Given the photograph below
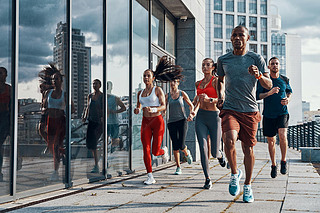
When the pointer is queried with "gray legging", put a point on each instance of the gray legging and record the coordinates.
(208, 122)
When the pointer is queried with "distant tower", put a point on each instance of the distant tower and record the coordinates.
(81, 64)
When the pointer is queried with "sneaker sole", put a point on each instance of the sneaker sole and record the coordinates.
(238, 191)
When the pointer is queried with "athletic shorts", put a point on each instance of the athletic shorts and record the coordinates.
(113, 130)
(245, 123)
(271, 125)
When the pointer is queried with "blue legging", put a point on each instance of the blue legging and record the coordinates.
(208, 122)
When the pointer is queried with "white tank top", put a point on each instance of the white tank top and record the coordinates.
(151, 100)
(56, 103)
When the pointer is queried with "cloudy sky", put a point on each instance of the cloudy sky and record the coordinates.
(38, 20)
(303, 18)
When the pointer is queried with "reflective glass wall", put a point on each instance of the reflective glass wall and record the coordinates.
(41, 124)
(5, 96)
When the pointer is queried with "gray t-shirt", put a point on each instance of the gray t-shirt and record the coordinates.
(240, 86)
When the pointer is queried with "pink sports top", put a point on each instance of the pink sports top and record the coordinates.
(151, 100)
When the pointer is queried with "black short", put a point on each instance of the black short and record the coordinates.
(271, 125)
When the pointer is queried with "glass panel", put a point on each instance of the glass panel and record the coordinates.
(229, 26)
(241, 6)
(87, 52)
(118, 87)
(264, 51)
(263, 7)
(229, 47)
(40, 151)
(218, 5)
(170, 36)
(242, 20)
(5, 99)
(140, 63)
(263, 29)
(253, 48)
(253, 6)
(157, 24)
(217, 25)
(230, 5)
(217, 50)
(253, 28)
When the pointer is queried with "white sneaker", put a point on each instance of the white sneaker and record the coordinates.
(54, 176)
(165, 156)
(150, 180)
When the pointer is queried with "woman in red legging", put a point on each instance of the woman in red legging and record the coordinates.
(152, 101)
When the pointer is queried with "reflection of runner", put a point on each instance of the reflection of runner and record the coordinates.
(152, 101)
(45, 76)
(5, 91)
(54, 105)
(94, 114)
(275, 114)
(177, 123)
(238, 73)
(207, 120)
(115, 106)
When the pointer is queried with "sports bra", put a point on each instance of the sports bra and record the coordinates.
(209, 89)
(54, 103)
(151, 100)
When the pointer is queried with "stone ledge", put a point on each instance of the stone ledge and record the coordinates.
(310, 154)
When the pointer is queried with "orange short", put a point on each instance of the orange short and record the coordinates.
(245, 123)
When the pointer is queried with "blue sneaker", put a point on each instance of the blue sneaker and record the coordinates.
(178, 171)
(247, 194)
(189, 157)
(234, 186)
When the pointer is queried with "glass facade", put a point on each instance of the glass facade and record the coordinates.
(77, 126)
(264, 52)
(218, 5)
(278, 49)
(242, 20)
(229, 25)
(229, 47)
(263, 7)
(230, 5)
(253, 28)
(253, 6)
(264, 31)
(253, 48)
(217, 25)
(241, 6)
(218, 50)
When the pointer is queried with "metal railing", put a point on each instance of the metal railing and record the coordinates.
(301, 135)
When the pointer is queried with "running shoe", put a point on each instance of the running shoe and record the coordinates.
(189, 157)
(273, 171)
(247, 194)
(54, 176)
(222, 161)
(207, 184)
(150, 180)
(178, 171)
(165, 156)
(95, 169)
(234, 186)
(283, 168)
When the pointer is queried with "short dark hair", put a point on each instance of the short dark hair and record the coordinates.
(4, 69)
(97, 80)
(273, 58)
(241, 26)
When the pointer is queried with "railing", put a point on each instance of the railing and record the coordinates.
(302, 135)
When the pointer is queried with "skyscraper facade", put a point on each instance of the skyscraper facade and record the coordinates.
(223, 15)
(81, 64)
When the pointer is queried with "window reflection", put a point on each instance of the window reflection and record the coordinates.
(253, 28)
(253, 6)
(218, 5)
(157, 24)
(229, 25)
(217, 25)
(241, 6)
(230, 5)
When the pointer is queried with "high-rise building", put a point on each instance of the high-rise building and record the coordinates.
(81, 64)
(223, 15)
(287, 47)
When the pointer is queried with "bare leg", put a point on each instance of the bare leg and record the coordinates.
(248, 162)
(177, 157)
(283, 143)
(42, 131)
(229, 139)
(95, 156)
(272, 149)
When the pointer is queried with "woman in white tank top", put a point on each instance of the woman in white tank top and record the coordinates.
(54, 105)
(152, 102)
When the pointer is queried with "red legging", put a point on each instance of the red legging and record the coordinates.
(151, 127)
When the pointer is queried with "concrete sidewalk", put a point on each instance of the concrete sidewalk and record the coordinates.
(298, 191)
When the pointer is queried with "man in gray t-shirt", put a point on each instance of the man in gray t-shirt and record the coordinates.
(238, 73)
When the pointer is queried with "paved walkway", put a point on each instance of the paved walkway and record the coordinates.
(298, 191)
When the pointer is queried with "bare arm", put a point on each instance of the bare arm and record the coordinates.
(264, 79)
(285, 101)
(121, 105)
(220, 91)
(162, 101)
(187, 100)
(137, 109)
(86, 111)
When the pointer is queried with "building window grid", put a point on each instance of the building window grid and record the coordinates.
(263, 7)
(229, 25)
(253, 28)
(264, 32)
(253, 6)
(218, 5)
(241, 6)
(230, 5)
(217, 25)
